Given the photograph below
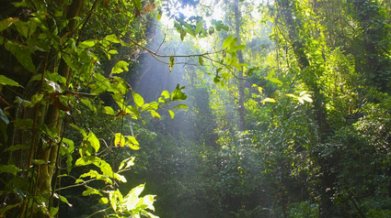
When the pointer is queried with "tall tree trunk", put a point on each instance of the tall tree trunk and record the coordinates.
(239, 55)
(287, 10)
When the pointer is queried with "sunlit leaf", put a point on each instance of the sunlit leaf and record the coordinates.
(119, 67)
(165, 94)
(132, 142)
(7, 22)
(108, 110)
(104, 200)
(132, 198)
(155, 114)
(93, 140)
(62, 199)
(119, 140)
(112, 38)
(268, 100)
(88, 43)
(171, 113)
(5, 81)
(138, 99)
(91, 191)
(128, 162)
(178, 94)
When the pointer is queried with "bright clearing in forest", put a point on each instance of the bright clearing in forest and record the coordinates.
(195, 108)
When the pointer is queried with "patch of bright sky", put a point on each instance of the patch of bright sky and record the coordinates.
(217, 12)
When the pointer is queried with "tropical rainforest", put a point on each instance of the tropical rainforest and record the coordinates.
(195, 108)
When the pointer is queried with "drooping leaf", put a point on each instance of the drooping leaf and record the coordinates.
(7, 22)
(119, 140)
(62, 199)
(119, 67)
(22, 54)
(18, 147)
(93, 140)
(132, 198)
(178, 94)
(128, 162)
(155, 114)
(5, 81)
(201, 60)
(171, 63)
(171, 113)
(138, 99)
(91, 191)
(9, 168)
(165, 94)
(132, 142)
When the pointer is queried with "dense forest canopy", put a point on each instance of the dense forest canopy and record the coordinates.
(195, 108)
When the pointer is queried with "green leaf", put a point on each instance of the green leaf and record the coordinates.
(171, 113)
(108, 110)
(147, 202)
(91, 191)
(165, 94)
(112, 38)
(201, 61)
(178, 94)
(155, 114)
(93, 140)
(229, 41)
(5, 81)
(17, 147)
(171, 63)
(87, 102)
(7, 22)
(128, 162)
(9, 168)
(104, 200)
(88, 43)
(119, 140)
(119, 177)
(120, 67)
(22, 54)
(53, 211)
(116, 199)
(101, 164)
(181, 106)
(132, 198)
(138, 99)
(132, 142)
(268, 100)
(62, 199)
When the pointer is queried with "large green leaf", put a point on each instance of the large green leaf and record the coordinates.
(93, 140)
(120, 67)
(9, 168)
(7, 22)
(22, 54)
(138, 99)
(6, 81)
